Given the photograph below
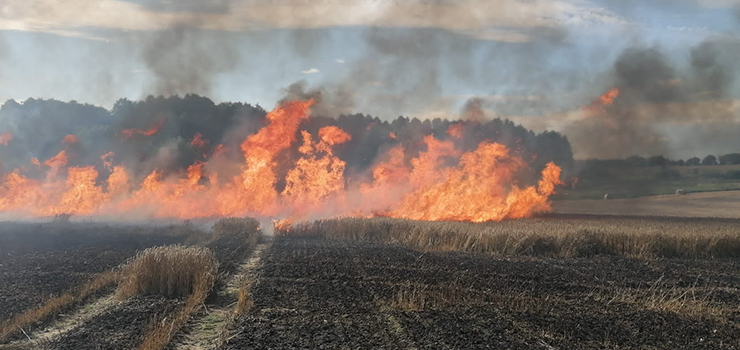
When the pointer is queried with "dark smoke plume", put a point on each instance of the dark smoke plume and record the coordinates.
(656, 98)
(185, 58)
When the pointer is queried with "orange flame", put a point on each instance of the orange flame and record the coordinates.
(482, 187)
(5, 138)
(604, 100)
(198, 141)
(107, 160)
(57, 161)
(316, 177)
(439, 183)
(128, 133)
(455, 130)
(70, 139)
(282, 225)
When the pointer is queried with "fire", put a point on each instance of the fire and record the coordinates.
(392, 135)
(441, 182)
(318, 174)
(128, 133)
(5, 138)
(604, 100)
(482, 187)
(70, 139)
(455, 130)
(282, 225)
(107, 160)
(220, 150)
(57, 161)
(256, 186)
(198, 141)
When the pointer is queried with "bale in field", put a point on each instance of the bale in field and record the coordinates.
(171, 271)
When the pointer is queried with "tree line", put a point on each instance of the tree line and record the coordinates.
(39, 128)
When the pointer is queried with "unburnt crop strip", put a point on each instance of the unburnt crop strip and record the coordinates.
(550, 237)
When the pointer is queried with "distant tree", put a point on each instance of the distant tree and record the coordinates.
(680, 162)
(732, 158)
(709, 160)
(657, 161)
(693, 161)
(636, 162)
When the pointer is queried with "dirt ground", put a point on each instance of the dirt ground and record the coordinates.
(325, 294)
(38, 261)
(118, 324)
(312, 293)
(120, 328)
(706, 204)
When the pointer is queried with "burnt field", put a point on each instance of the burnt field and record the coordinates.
(556, 282)
(42, 260)
(316, 293)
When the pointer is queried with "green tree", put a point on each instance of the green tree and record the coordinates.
(709, 160)
(693, 161)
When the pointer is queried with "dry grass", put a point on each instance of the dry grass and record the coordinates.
(69, 300)
(550, 237)
(160, 333)
(245, 227)
(248, 231)
(690, 302)
(424, 297)
(190, 271)
(23, 322)
(244, 302)
(171, 271)
(417, 297)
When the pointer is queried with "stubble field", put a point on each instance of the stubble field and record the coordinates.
(556, 282)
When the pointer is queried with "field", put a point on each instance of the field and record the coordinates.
(725, 204)
(555, 282)
(38, 261)
(622, 183)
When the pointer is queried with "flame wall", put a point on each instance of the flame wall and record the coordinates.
(286, 169)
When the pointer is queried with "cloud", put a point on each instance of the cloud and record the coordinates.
(503, 20)
(340, 61)
(310, 71)
(719, 3)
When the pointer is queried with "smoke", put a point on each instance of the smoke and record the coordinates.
(327, 103)
(185, 57)
(404, 70)
(658, 99)
(189, 6)
(185, 60)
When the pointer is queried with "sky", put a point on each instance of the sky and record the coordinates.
(534, 61)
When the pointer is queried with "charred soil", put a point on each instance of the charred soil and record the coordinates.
(316, 293)
(38, 261)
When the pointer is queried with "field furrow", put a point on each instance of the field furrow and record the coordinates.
(210, 327)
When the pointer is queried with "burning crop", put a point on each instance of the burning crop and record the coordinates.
(436, 180)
